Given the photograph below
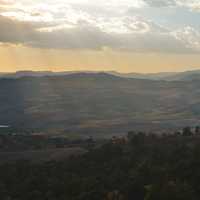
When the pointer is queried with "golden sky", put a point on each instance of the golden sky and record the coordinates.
(16, 58)
(121, 35)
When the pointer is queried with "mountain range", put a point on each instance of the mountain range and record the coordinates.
(167, 76)
(99, 104)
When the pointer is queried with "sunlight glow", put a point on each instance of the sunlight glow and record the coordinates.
(99, 34)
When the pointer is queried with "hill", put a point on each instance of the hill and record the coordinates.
(167, 76)
(97, 104)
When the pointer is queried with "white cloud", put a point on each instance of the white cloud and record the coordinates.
(189, 36)
(193, 5)
(93, 24)
(7, 2)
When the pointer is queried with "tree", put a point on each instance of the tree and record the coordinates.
(197, 130)
(171, 190)
(187, 131)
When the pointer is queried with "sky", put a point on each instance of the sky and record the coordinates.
(122, 35)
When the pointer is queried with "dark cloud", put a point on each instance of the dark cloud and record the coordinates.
(13, 31)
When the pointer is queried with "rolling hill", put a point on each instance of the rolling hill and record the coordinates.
(97, 103)
(167, 76)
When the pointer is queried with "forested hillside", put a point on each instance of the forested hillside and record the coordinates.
(147, 167)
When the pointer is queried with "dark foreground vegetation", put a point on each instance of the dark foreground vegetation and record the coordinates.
(144, 167)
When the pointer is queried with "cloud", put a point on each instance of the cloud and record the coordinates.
(189, 36)
(160, 3)
(6, 2)
(192, 5)
(15, 32)
(139, 38)
(80, 25)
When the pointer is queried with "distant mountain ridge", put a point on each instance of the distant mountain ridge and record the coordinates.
(98, 104)
(21, 74)
(167, 76)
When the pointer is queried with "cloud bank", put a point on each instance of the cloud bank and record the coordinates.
(79, 24)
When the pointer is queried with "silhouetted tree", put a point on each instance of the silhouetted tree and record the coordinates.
(197, 130)
(187, 131)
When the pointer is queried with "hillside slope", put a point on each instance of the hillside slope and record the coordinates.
(97, 103)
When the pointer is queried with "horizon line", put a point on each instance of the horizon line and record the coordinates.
(94, 71)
